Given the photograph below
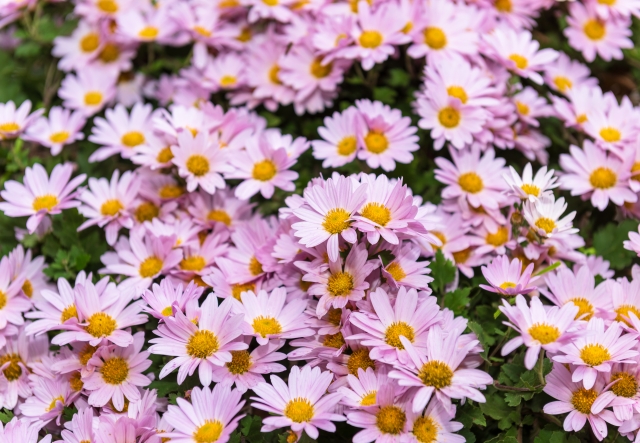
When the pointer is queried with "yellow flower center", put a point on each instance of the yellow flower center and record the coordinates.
(228, 81)
(318, 70)
(13, 371)
(219, 215)
(583, 399)
(377, 213)
(59, 137)
(76, 384)
(522, 108)
(202, 31)
(101, 324)
(202, 344)
(27, 288)
(449, 117)
(93, 98)
(264, 326)
(391, 420)
(209, 432)
(238, 289)
(584, 308)
(333, 340)
(435, 38)
(436, 373)
(626, 386)
(594, 354)
(170, 191)
(544, 333)
(376, 142)
(520, 61)
(458, 92)
(90, 42)
(109, 53)
(425, 429)
(610, 135)
(264, 170)
(462, 256)
(347, 145)
(167, 311)
(334, 316)
(530, 189)
(69, 312)
(165, 155)
(299, 410)
(396, 271)
(359, 360)
(369, 399)
(193, 263)
(635, 171)
(273, 75)
(150, 267)
(9, 127)
(111, 207)
(546, 224)
(46, 202)
(255, 267)
(581, 118)
(508, 285)
(370, 39)
(198, 165)
(147, 211)
(148, 32)
(603, 178)
(336, 221)
(132, 139)
(594, 29)
(340, 284)
(503, 5)
(623, 313)
(108, 6)
(470, 182)
(499, 238)
(240, 362)
(440, 237)
(86, 353)
(562, 83)
(395, 331)
(115, 370)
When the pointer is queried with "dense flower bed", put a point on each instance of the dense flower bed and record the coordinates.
(299, 220)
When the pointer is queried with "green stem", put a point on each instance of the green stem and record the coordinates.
(540, 369)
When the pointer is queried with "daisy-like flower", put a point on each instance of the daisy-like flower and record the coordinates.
(339, 138)
(614, 128)
(518, 52)
(623, 394)
(578, 287)
(363, 388)
(50, 396)
(13, 122)
(435, 425)
(204, 345)
(18, 352)
(633, 244)
(302, 404)
(539, 328)
(211, 416)
(24, 431)
(200, 161)
(118, 372)
(61, 127)
(328, 214)
(103, 314)
(592, 35)
(591, 172)
(342, 282)
(472, 179)
(386, 137)
(507, 278)
(262, 168)
(438, 370)
(406, 270)
(406, 319)
(530, 187)
(267, 318)
(166, 296)
(80, 428)
(88, 91)
(79, 49)
(596, 349)
(13, 302)
(577, 401)
(544, 215)
(565, 74)
(110, 203)
(40, 194)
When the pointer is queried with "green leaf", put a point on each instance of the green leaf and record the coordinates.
(398, 78)
(6, 415)
(443, 272)
(164, 387)
(608, 243)
(457, 300)
(385, 95)
(470, 414)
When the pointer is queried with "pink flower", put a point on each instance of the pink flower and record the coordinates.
(565, 74)
(406, 270)
(80, 48)
(41, 195)
(363, 388)
(507, 278)
(61, 127)
(13, 301)
(579, 287)
(15, 356)
(50, 396)
(633, 244)
(339, 142)
(529, 187)
(24, 431)
(303, 404)
(81, 427)
(165, 297)
(14, 122)
(89, 91)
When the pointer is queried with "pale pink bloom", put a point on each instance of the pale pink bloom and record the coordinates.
(507, 278)
(518, 52)
(267, 318)
(328, 214)
(245, 369)
(591, 35)
(94, 10)
(88, 91)
(539, 326)
(40, 194)
(332, 33)
(519, 13)
(593, 173)
(406, 270)
(200, 160)
(530, 187)
(212, 412)
(50, 396)
(129, 89)
(597, 266)
(302, 404)
(633, 244)
(183, 231)
(110, 203)
(386, 324)
(614, 128)
(80, 428)
(61, 127)
(580, 288)
(363, 389)
(14, 122)
(24, 431)
(121, 132)
(530, 106)
(200, 256)
(597, 349)
(385, 136)
(225, 72)
(80, 48)
(205, 345)
(569, 393)
(243, 264)
(581, 101)
(262, 168)
(564, 74)
(450, 237)
(622, 395)
(444, 354)
(280, 10)
(339, 143)
(220, 209)
(169, 123)
(435, 417)
(165, 297)
(104, 314)
(342, 282)
(544, 215)
(149, 25)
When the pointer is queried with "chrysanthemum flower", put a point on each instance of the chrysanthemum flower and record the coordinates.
(577, 401)
(507, 278)
(211, 416)
(14, 122)
(204, 345)
(596, 349)
(544, 215)
(633, 244)
(50, 396)
(88, 91)
(564, 74)
(23, 431)
(406, 270)
(363, 388)
(59, 128)
(80, 48)
(220, 209)
(623, 395)
(578, 287)
(328, 214)
(80, 428)
(614, 128)
(435, 425)
(339, 138)
(163, 297)
(13, 302)
(243, 264)
(406, 318)
(18, 352)
(302, 404)
(530, 187)
(148, 24)
(267, 318)
(539, 328)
